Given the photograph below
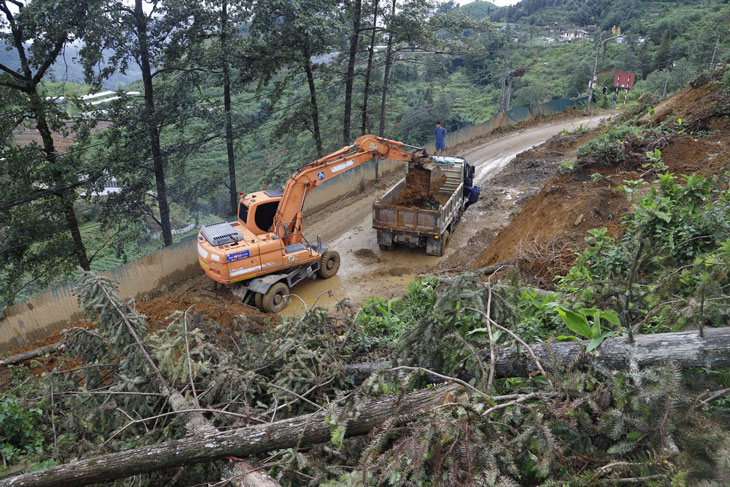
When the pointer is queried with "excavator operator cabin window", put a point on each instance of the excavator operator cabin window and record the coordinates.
(264, 215)
(242, 212)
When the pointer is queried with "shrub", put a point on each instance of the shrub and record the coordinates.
(18, 432)
(607, 149)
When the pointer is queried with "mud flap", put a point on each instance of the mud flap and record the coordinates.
(433, 246)
(385, 238)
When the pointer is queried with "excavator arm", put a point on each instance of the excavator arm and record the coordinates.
(288, 220)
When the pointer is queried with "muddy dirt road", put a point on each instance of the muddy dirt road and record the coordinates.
(366, 271)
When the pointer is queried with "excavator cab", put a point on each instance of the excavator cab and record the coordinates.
(257, 210)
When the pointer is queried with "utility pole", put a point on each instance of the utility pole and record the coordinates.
(595, 68)
(712, 63)
(509, 94)
(504, 87)
(666, 81)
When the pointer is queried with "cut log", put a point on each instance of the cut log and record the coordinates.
(686, 349)
(36, 352)
(303, 430)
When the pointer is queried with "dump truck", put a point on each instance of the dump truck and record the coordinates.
(423, 208)
(264, 253)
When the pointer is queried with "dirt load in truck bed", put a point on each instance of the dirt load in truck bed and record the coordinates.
(421, 190)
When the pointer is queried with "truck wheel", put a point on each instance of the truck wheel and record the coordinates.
(276, 298)
(385, 248)
(329, 264)
(258, 300)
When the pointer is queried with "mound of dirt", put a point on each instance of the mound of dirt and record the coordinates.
(556, 220)
(421, 190)
(696, 106)
(704, 155)
(220, 305)
(562, 212)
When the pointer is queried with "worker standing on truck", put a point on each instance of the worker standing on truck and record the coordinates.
(440, 134)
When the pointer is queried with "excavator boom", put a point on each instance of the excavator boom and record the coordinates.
(288, 216)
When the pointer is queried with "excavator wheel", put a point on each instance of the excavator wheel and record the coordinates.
(329, 264)
(276, 298)
(258, 300)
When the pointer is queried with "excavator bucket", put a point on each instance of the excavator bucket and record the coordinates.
(435, 178)
(423, 182)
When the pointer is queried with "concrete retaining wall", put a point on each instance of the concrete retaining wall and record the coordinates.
(36, 318)
(508, 119)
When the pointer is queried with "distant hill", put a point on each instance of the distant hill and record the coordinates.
(479, 10)
(604, 13)
(68, 68)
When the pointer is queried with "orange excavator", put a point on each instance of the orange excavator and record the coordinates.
(264, 250)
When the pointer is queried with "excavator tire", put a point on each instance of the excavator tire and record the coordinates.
(276, 298)
(329, 264)
(258, 300)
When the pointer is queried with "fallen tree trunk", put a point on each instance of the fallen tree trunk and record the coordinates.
(289, 433)
(244, 473)
(36, 352)
(686, 349)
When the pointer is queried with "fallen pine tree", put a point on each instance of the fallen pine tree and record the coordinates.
(685, 349)
(245, 474)
(303, 431)
(29, 354)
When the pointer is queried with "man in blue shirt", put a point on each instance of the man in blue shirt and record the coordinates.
(440, 134)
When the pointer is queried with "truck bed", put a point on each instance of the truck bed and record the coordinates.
(418, 221)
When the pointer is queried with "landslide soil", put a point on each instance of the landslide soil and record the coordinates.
(556, 220)
(421, 190)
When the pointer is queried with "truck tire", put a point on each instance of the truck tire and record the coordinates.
(329, 264)
(276, 298)
(258, 300)
(385, 248)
